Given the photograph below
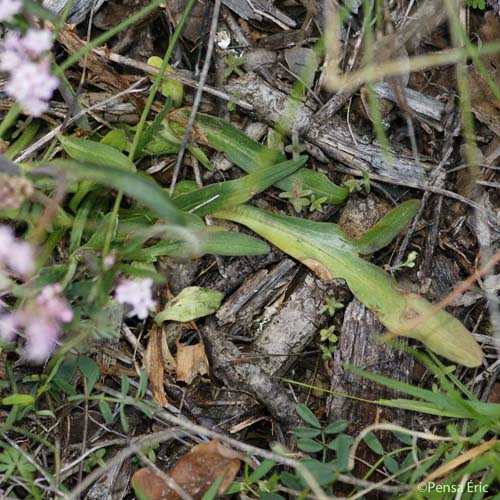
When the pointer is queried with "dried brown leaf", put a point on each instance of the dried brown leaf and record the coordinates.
(157, 360)
(104, 76)
(191, 360)
(194, 473)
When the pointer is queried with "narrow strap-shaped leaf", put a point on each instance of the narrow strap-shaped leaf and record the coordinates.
(249, 155)
(232, 243)
(96, 152)
(227, 194)
(387, 228)
(213, 242)
(438, 330)
(136, 185)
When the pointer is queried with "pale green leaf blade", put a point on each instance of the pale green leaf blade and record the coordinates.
(98, 153)
(136, 185)
(387, 228)
(333, 257)
(18, 399)
(250, 155)
(227, 194)
(192, 303)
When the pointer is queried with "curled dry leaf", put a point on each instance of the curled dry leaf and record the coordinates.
(157, 360)
(194, 473)
(191, 360)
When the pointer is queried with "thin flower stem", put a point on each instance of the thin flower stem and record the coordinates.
(9, 119)
(199, 93)
(159, 77)
(144, 116)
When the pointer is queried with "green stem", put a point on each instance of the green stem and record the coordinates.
(62, 18)
(159, 77)
(9, 119)
(142, 123)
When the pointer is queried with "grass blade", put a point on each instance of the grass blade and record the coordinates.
(135, 185)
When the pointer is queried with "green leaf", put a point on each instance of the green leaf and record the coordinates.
(116, 138)
(90, 371)
(106, 411)
(97, 153)
(306, 432)
(143, 385)
(404, 437)
(211, 493)
(18, 399)
(152, 129)
(387, 228)
(341, 445)
(324, 473)
(232, 243)
(227, 194)
(79, 223)
(292, 481)
(476, 4)
(325, 249)
(249, 155)
(208, 242)
(123, 419)
(23, 141)
(309, 445)
(337, 426)
(261, 471)
(373, 443)
(193, 302)
(307, 415)
(271, 496)
(391, 465)
(235, 487)
(435, 403)
(125, 386)
(65, 386)
(136, 185)
(45, 413)
(145, 409)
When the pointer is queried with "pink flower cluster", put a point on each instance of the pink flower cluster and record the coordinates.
(138, 295)
(41, 321)
(25, 58)
(9, 8)
(16, 256)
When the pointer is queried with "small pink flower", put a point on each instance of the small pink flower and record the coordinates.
(16, 255)
(138, 295)
(21, 259)
(41, 321)
(109, 261)
(30, 82)
(41, 338)
(32, 85)
(53, 305)
(8, 327)
(9, 8)
(10, 56)
(36, 42)
(7, 238)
